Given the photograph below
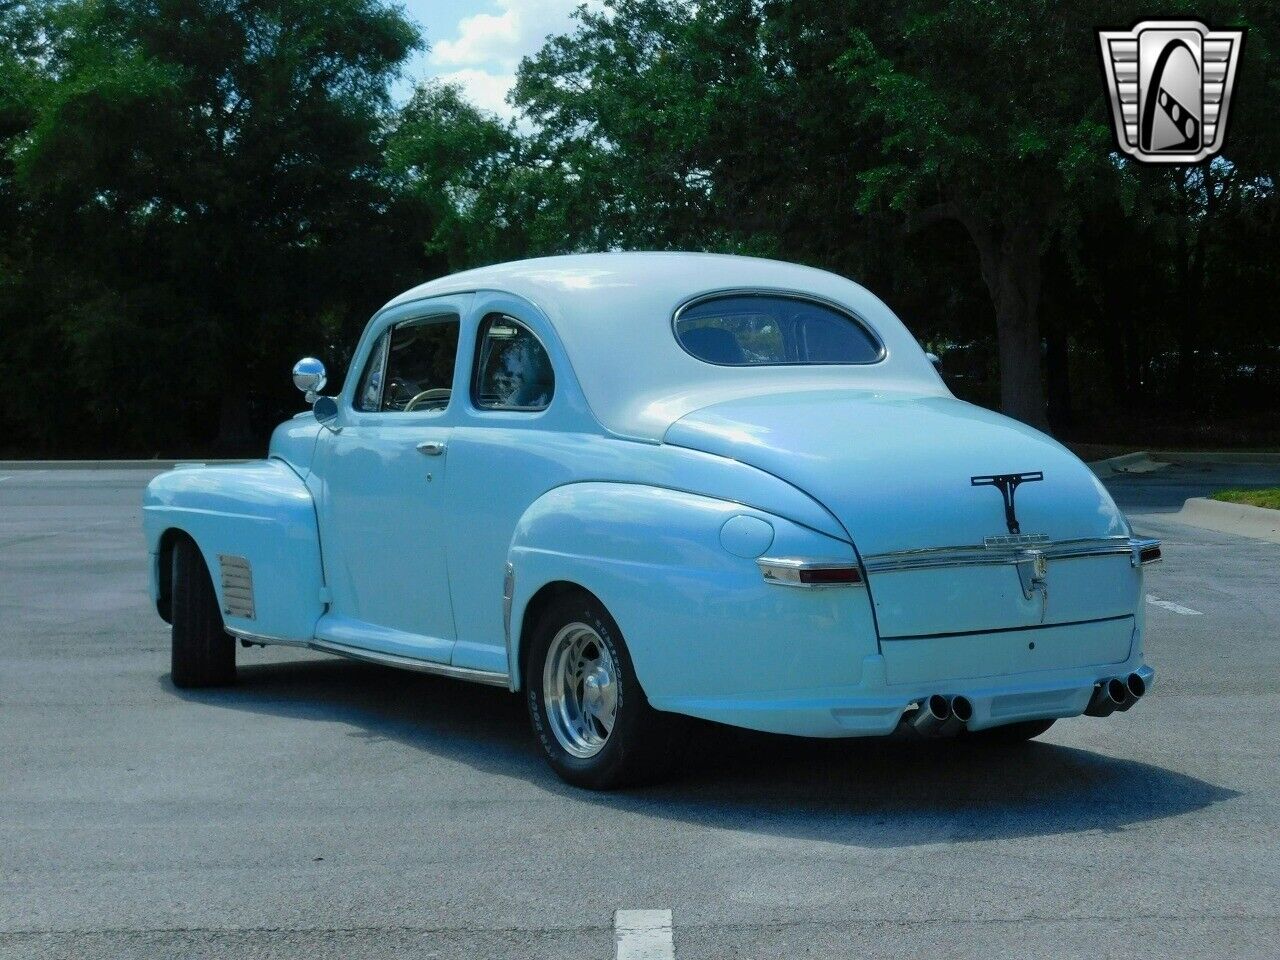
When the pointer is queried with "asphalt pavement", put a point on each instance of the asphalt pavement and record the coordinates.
(329, 809)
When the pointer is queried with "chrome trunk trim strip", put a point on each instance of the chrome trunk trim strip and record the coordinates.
(999, 551)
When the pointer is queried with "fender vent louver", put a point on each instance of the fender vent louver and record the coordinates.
(237, 586)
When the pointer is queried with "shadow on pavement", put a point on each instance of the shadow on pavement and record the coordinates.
(873, 793)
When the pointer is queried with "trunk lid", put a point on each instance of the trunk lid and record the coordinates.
(897, 472)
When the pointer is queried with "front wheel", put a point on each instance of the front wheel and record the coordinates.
(589, 714)
(204, 654)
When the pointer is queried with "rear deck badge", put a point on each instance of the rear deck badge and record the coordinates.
(1007, 484)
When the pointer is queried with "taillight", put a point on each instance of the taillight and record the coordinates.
(803, 572)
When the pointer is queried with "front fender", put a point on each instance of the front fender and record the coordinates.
(259, 511)
(699, 620)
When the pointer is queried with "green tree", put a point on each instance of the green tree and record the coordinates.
(453, 162)
(213, 199)
(822, 129)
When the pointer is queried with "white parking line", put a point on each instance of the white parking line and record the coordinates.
(3, 479)
(643, 935)
(1175, 607)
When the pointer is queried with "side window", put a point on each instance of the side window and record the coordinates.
(513, 371)
(369, 396)
(411, 367)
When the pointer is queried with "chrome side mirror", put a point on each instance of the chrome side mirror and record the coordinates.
(309, 377)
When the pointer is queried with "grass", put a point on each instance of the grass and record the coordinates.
(1266, 497)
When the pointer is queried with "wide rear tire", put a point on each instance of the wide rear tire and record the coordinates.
(204, 654)
(592, 720)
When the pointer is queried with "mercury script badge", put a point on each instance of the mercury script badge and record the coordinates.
(1170, 83)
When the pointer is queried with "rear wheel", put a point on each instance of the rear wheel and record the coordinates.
(204, 654)
(1011, 733)
(589, 714)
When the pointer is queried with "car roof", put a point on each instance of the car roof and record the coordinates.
(613, 313)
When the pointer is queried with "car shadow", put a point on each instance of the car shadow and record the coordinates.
(872, 793)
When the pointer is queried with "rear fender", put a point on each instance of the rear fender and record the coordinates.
(257, 517)
(699, 620)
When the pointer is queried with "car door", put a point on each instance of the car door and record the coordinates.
(381, 476)
(511, 444)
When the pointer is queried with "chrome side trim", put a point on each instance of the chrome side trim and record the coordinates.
(785, 571)
(997, 553)
(508, 595)
(263, 638)
(237, 586)
(409, 663)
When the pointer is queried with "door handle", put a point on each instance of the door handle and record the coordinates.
(432, 448)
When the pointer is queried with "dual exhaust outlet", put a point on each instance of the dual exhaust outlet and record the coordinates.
(1118, 693)
(940, 716)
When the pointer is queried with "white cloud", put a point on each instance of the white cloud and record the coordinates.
(501, 39)
(486, 90)
(483, 56)
(482, 38)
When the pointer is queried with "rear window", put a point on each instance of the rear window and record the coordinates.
(750, 329)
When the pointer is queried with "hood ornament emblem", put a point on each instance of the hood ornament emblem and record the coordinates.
(1007, 484)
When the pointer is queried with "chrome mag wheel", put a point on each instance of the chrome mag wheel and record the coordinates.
(580, 690)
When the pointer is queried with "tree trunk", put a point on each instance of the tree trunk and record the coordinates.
(1009, 254)
(235, 433)
(1057, 364)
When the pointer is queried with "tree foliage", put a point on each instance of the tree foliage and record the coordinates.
(207, 190)
(196, 192)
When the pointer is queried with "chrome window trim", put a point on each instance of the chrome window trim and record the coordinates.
(998, 554)
(388, 333)
(481, 334)
(385, 335)
(785, 295)
(777, 570)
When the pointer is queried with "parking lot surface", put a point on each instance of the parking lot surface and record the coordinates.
(329, 809)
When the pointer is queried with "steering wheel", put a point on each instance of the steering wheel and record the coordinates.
(435, 393)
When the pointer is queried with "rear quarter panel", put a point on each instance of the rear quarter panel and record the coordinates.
(699, 621)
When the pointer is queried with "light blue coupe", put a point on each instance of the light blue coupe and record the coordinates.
(640, 487)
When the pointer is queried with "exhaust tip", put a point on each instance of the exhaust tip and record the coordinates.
(962, 709)
(1137, 686)
(932, 717)
(1117, 690)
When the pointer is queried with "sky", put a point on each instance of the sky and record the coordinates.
(478, 43)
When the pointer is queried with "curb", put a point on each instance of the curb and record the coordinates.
(1221, 456)
(1240, 519)
(1147, 461)
(103, 464)
(1139, 462)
